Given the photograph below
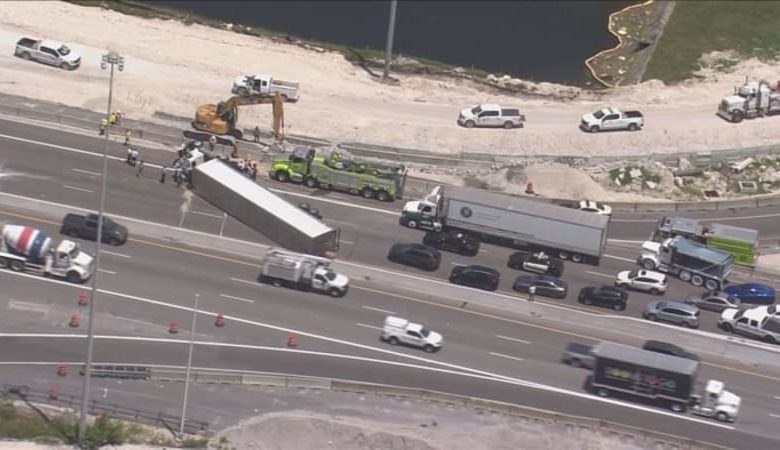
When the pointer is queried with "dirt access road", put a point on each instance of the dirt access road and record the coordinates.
(172, 67)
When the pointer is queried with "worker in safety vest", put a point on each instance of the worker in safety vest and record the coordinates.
(103, 126)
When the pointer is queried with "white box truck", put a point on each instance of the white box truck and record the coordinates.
(245, 85)
(511, 221)
(28, 249)
(262, 210)
(303, 272)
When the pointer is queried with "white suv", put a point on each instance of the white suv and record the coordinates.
(642, 280)
(491, 115)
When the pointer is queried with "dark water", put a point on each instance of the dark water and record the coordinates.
(537, 40)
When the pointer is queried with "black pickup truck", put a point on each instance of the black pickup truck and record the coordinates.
(85, 227)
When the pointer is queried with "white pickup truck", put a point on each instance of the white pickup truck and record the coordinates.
(47, 52)
(245, 85)
(609, 119)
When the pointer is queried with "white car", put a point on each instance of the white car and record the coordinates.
(491, 115)
(642, 280)
(594, 207)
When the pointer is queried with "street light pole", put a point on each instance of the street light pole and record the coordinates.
(189, 367)
(113, 59)
(389, 45)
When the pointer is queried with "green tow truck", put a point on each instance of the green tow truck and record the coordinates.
(337, 170)
(741, 243)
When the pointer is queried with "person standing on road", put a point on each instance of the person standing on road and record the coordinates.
(103, 126)
(128, 133)
(129, 159)
(256, 132)
(531, 293)
(140, 169)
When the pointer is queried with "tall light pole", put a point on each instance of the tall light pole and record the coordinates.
(112, 59)
(389, 45)
(189, 366)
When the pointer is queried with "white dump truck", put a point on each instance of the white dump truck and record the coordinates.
(245, 85)
(28, 249)
(304, 272)
(690, 261)
(752, 99)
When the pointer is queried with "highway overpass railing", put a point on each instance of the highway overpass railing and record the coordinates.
(173, 135)
(575, 425)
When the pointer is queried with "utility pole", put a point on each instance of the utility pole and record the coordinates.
(112, 59)
(189, 367)
(389, 45)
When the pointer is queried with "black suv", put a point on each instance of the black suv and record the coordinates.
(669, 349)
(452, 241)
(609, 296)
(476, 276)
(538, 262)
(85, 227)
(416, 255)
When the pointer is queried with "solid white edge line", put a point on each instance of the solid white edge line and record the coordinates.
(240, 299)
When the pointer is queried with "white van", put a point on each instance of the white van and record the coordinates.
(400, 331)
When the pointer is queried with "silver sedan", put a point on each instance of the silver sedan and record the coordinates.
(713, 301)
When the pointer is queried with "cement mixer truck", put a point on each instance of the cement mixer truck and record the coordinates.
(28, 249)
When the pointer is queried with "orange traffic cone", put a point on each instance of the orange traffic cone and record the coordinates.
(174, 328)
(53, 392)
(62, 370)
(292, 341)
(220, 322)
(84, 298)
(74, 320)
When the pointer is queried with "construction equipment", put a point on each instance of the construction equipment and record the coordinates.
(221, 118)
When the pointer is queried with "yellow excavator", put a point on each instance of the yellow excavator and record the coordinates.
(221, 118)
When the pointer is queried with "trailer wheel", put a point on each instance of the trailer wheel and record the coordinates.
(382, 196)
(563, 255)
(697, 280)
(276, 283)
(575, 257)
(711, 284)
(677, 407)
(685, 275)
(3, 263)
(367, 192)
(282, 176)
(393, 340)
(17, 266)
(311, 182)
(602, 392)
(633, 127)
(73, 277)
(722, 417)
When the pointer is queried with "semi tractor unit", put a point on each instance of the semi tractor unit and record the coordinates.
(666, 380)
(688, 260)
(742, 243)
(511, 221)
(304, 272)
(338, 170)
(28, 249)
(752, 99)
(262, 210)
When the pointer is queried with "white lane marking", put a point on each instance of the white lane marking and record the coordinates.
(777, 397)
(522, 341)
(620, 258)
(107, 252)
(253, 283)
(623, 241)
(345, 242)
(501, 355)
(27, 306)
(600, 274)
(776, 416)
(87, 172)
(373, 327)
(240, 299)
(106, 271)
(719, 219)
(483, 251)
(207, 214)
(76, 188)
(341, 222)
(378, 309)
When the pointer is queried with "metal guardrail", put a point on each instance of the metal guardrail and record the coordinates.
(635, 435)
(173, 136)
(112, 410)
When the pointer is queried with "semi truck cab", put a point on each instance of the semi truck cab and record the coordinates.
(424, 214)
(716, 402)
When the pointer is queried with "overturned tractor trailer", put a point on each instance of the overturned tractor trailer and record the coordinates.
(263, 211)
(511, 221)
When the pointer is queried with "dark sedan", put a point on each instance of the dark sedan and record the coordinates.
(453, 241)
(415, 255)
(545, 285)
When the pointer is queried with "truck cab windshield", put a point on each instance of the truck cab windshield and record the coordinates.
(330, 275)
(424, 332)
(63, 50)
(598, 114)
(74, 252)
(476, 110)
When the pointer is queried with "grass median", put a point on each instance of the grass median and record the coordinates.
(695, 28)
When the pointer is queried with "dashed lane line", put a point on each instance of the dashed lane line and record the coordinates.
(373, 327)
(522, 341)
(378, 309)
(240, 299)
(76, 188)
(121, 255)
(600, 274)
(86, 172)
(501, 355)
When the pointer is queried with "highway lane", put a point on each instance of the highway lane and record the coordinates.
(739, 435)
